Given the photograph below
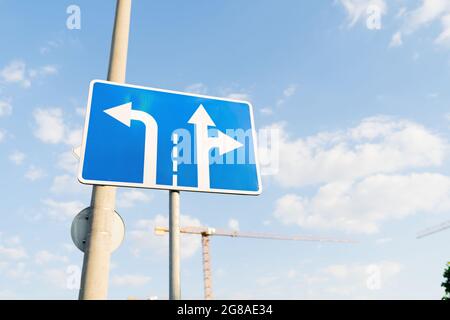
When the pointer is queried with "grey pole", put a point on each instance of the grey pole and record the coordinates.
(95, 274)
(174, 245)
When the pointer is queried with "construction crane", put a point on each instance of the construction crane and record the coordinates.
(432, 230)
(206, 233)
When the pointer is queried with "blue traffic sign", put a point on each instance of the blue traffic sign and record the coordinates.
(153, 138)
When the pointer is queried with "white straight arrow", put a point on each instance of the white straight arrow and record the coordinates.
(201, 120)
(125, 114)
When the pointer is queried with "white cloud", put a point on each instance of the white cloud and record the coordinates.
(266, 111)
(376, 145)
(401, 12)
(50, 45)
(51, 128)
(14, 240)
(444, 36)
(364, 176)
(17, 72)
(144, 238)
(197, 88)
(382, 241)
(233, 224)
(287, 93)
(13, 252)
(357, 9)
(50, 125)
(57, 277)
(242, 96)
(19, 271)
(67, 162)
(11, 248)
(129, 198)
(396, 40)
(234, 93)
(5, 108)
(362, 206)
(2, 135)
(80, 111)
(358, 280)
(290, 90)
(62, 210)
(130, 280)
(7, 295)
(60, 183)
(17, 157)
(74, 137)
(427, 13)
(47, 70)
(34, 173)
(265, 281)
(65, 183)
(45, 257)
(354, 280)
(229, 93)
(69, 247)
(338, 271)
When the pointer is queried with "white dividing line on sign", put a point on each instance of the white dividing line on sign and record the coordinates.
(175, 159)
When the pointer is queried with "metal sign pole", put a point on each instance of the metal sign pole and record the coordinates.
(174, 245)
(95, 274)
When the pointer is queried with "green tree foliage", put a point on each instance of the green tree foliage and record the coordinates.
(446, 283)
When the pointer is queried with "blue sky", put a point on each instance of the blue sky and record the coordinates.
(360, 106)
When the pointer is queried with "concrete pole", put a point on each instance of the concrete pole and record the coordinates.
(95, 274)
(207, 277)
(174, 245)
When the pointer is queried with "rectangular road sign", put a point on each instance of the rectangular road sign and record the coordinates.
(153, 138)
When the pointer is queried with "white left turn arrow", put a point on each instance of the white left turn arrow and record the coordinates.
(125, 114)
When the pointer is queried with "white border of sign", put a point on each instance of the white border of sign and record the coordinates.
(162, 187)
